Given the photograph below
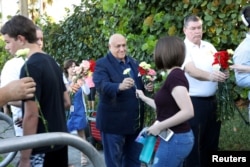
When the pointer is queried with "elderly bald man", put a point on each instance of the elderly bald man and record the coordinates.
(119, 113)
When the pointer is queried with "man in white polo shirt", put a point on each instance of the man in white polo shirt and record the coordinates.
(202, 88)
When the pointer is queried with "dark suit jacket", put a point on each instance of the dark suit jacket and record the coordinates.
(117, 111)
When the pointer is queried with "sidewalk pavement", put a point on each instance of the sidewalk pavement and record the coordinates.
(74, 158)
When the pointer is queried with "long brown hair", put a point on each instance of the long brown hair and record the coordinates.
(67, 64)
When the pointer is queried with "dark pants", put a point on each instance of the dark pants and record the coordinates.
(121, 150)
(206, 131)
(91, 95)
(57, 158)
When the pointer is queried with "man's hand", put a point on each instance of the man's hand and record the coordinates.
(127, 83)
(218, 76)
(20, 89)
(149, 87)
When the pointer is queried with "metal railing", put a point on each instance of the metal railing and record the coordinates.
(10, 155)
(53, 138)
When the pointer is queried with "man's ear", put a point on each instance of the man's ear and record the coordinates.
(22, 39)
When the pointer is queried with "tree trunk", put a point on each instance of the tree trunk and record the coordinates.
(24, 7)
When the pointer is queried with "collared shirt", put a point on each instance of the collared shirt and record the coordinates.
(202, 57)
(242, 56)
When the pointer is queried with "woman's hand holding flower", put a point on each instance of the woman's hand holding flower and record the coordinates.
(80, 81)
(74, 87)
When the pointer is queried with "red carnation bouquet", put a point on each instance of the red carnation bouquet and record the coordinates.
(146, 72)
(226, 106)
(88, 66)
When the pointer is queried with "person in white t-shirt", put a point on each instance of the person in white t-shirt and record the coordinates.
(10, 72)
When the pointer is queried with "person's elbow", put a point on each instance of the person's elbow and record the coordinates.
(190, 113)
(67, 104)
(67, 101)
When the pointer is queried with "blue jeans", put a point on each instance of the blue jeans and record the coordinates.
(174, 152)
(121, 150)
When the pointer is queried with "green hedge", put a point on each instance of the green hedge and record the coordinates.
(84, 34)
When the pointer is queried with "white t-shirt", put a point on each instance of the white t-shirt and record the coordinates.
(203, 58)
(10, 72)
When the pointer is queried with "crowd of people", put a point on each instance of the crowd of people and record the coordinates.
(43, 98)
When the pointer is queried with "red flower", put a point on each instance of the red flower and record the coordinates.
(222, 58)
(145, 71)
(225, 101)
(142, 71)
(92, 65)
